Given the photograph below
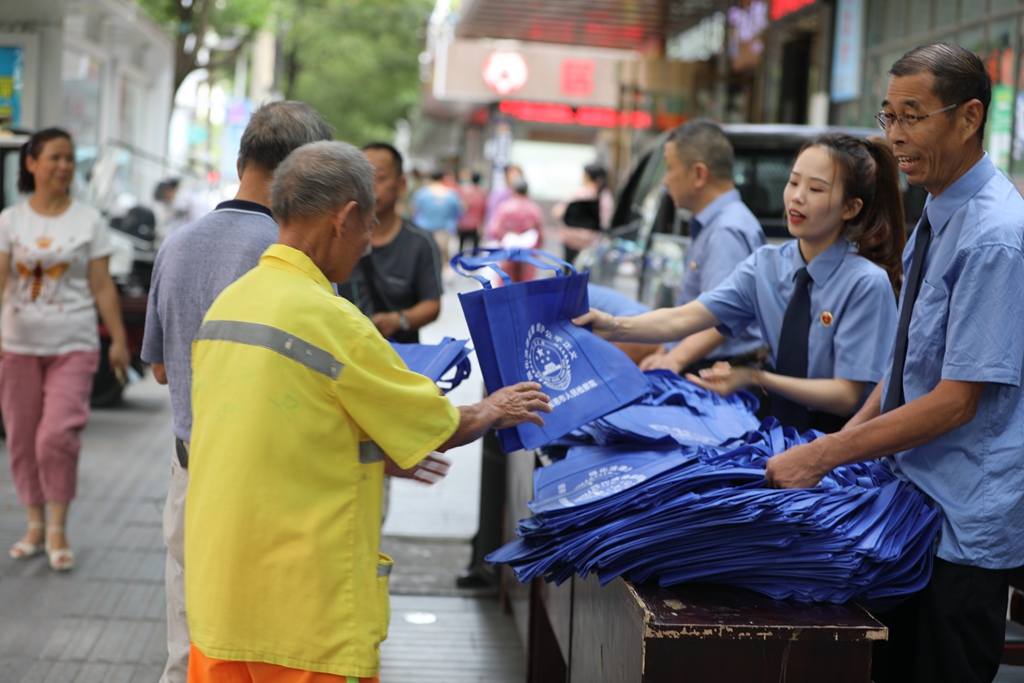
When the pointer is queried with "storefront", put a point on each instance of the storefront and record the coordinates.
(549, 109)
(102, 69)
(797, 63)
(992, 29)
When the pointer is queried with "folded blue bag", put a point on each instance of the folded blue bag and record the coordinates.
(524, 332)
(675, 514)
(437, 360)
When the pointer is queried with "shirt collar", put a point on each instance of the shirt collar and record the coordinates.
(243, 205)
(824, 264)
(292, 260)
(940, 209)
(716, 207)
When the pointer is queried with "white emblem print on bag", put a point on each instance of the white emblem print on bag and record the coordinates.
(548, 357)
(548, 360)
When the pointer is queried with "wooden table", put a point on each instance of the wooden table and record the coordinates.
(581, 632)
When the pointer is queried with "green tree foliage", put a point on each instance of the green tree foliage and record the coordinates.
(236, 20)
(355, 61)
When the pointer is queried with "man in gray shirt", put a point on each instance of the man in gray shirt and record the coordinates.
(193, 267)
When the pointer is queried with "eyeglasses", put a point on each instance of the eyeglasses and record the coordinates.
(908, 121)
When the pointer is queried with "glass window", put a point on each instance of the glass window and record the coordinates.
(974, 40)
(972, 9)
(1002, 48)
(80, 90)
(920, 16)
(897, 21)
(761, 178)
(945, 12)
(1002, 5)
(876, 22)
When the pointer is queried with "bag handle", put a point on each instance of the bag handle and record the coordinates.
(480, 258)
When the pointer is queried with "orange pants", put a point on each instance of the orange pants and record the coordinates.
(203, 669)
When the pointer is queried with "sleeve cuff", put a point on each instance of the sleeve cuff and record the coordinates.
(434, 443)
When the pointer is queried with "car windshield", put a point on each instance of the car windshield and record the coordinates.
(761, 178)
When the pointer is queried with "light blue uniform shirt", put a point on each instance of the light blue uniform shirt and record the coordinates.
(968, 325)
(614, 302)
(721, 236)
(853, 308)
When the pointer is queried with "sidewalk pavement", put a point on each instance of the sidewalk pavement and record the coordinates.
(105, 620)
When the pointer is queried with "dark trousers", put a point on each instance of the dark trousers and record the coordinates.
(472, 236)
(490, 534)
(950, 632)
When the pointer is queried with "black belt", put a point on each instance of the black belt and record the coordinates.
(182, 450)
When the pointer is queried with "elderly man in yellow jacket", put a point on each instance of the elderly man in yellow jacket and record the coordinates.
(291, 384)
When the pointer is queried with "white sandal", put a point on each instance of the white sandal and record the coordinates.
(62, 559)
(22, 550)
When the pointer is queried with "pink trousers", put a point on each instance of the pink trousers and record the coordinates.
(45, 404)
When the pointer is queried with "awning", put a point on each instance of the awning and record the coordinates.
(626, 24)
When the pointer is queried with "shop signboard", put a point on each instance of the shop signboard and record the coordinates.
(1000, 127)
(781, 8)
(747, 24)
(236, 118)
(505, 71)
(12, 60)
(847, 50)
(481, 70)
(698, 43)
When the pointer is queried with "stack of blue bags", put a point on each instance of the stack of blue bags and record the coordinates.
(446, 364)
(674, 411)
(675, 510)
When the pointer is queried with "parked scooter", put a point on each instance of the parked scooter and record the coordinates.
(131, 265)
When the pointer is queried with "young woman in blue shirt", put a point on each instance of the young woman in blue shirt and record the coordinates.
(843, 205)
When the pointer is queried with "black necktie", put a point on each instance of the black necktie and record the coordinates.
(912, 285)
(791, 358)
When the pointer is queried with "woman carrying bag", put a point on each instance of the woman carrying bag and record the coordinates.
(53, 273)
(825, 301)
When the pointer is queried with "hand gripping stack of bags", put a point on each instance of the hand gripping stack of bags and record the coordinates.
(704, 514)
(662, 480)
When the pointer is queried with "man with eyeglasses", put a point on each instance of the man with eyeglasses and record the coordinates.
(951, 408)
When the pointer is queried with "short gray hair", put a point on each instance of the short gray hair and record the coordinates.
(703, 140)
(276, 130)
(320, 178)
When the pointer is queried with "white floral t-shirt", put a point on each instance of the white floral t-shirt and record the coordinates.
(48, 307)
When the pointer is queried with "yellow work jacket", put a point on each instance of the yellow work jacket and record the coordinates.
(283, 515)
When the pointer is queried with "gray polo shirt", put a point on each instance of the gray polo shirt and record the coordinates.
(194, 265)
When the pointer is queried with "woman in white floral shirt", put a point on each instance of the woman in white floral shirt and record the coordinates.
(53, 274)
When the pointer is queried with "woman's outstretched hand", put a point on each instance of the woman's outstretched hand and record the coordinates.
(602, 324)
(724, 379)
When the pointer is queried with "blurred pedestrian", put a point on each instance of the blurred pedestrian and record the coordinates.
(193, 266)
(398, 284)
(436, 208)
(498, 195)
(518, 223)
(723, 232)
(595, 187)
(285, 578)
(472, 219)
(54, 254)
(169, 216)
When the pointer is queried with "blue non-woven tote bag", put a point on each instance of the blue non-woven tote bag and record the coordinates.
(436, 360)
(524, 333)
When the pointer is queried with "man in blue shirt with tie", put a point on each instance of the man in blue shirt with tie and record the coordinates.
(723, 232)
(951, 407)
